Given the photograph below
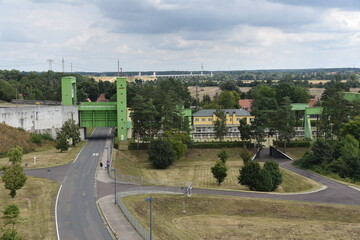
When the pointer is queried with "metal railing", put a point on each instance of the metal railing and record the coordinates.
(143, 232)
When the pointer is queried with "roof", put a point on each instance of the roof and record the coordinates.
(313, 102)
(210, 112)
(245, 103)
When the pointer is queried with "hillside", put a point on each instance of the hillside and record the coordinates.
(10, 137)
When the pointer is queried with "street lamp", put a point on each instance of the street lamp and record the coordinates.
(114, 169)
(150, 200)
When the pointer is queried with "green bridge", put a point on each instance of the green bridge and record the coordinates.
(99, 114)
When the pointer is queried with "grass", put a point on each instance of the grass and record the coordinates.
(89, 131)
(215, 217)
(10, 137)
(196, 169)
(48, 156)
(36, 203)
(295, 152)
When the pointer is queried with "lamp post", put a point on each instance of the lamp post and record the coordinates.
(114, 169)
(150, 200)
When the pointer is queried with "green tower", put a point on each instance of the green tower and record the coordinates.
(68, 91)
(121, 108)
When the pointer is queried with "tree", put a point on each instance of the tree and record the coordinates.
(352, 128)
(245, 155)
(219, 171)
(220, 124)
(264, 182)
(144, 117)
(229, 85)
(274, 170)
(350, 157)
(285, 121)
(161, 155)
(223, 155)
(14, 178)
(61, 141)
(245, 131)
(249, 173)
(15, 154)
(178, 141)
(71, 130)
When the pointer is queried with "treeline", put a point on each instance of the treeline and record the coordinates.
(252, 79)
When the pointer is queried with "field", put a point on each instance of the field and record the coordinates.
(36, 202)
(212, 217)
(195, 168)
(211, 91)
(48, 156)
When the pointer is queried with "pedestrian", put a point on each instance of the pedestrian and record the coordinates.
(101, 165)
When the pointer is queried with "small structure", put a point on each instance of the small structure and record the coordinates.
(246, 104)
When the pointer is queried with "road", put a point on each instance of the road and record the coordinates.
(77, 214)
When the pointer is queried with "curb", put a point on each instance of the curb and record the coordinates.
(107, 225)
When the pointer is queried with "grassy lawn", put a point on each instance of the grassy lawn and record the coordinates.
(212, 217)
(195, 168)
(36, 202)
(48, 156)
(295, 152)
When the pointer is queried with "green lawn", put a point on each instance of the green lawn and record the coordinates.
(195, 168)
(214, 217)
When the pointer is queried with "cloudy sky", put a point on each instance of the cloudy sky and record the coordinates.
(148, 35)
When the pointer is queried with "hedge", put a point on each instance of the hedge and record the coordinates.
(145, 146)
(294, 143)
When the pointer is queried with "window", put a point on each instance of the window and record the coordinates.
(210, 119)
(203, 119)
(196, 119)
(238, 119)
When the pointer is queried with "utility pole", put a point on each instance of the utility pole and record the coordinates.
(118, 68)
(63, 63)
(50, 61)
(71, 67)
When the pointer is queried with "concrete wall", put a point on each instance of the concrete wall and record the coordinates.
(39, 119)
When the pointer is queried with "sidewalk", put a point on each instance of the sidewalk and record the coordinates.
(115, 219)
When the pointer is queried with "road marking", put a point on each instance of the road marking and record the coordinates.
(56, 221)
(79, 153)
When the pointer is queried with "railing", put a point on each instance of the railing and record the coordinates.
(143, 190)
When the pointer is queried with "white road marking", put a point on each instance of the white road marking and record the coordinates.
(56, 221)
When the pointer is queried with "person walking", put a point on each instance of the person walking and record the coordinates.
(101, 165)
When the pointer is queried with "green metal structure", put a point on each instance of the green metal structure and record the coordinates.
(308, 111)
(68, 91)
(99, 114)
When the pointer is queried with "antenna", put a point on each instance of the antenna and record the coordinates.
(50, 61)
(119, 68)
(63, 62)
(71, 67)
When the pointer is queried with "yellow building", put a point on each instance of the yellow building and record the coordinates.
(203, 123)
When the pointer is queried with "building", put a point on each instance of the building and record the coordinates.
(246, 104)
(203, 123)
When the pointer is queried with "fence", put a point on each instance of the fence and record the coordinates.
(276, 153)
(143, 190)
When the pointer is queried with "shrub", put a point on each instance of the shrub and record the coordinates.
(294, 143)
(36, 138)
(245, 155)
(264, 183)
(161, 155)
(274, 170)
(249, 173)
(223, 155)
(219, 171)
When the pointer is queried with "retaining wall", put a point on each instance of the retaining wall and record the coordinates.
(39, 119)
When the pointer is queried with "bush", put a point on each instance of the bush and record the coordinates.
(249, 174)
(36, 138)
(116, 143)
(219, 171)
(245, 155)
(220, 144)
(161, 155)
(274, 170)
(264, 183)
(223, 155)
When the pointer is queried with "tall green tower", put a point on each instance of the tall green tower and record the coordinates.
(68, 91)
(121, 108)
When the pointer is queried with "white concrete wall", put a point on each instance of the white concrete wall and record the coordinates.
(39, 119)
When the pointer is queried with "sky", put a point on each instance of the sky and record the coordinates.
(165, 35)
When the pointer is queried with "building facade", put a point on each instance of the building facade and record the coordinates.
(203, 123)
